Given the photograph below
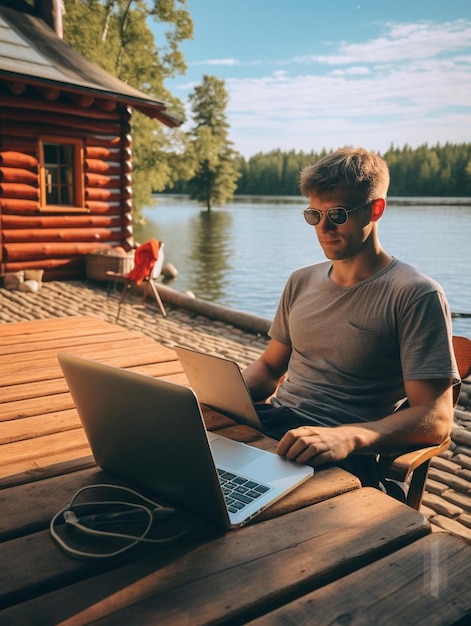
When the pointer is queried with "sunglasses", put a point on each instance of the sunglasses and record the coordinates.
(337, 214)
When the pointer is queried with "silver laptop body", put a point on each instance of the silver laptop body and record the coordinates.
(219, 384)
(150, 433)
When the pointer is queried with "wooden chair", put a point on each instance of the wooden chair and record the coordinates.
(413, 466)
(148, 261)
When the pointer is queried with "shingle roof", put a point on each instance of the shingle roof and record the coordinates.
(31, 51)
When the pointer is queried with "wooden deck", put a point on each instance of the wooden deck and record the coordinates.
(328, 552)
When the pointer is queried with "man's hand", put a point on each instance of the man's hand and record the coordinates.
(317, 445)
(427, 422)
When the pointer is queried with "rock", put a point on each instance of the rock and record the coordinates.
(169, 271)
(29, 285)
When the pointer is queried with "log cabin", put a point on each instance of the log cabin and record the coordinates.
(65, 147)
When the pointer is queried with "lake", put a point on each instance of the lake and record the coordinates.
(241, 255)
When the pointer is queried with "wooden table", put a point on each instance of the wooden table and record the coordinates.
(39, 424)
(330, 550)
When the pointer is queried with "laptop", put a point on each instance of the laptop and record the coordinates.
(219, 384)
(150, 433)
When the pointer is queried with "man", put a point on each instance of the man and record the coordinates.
(355, 335)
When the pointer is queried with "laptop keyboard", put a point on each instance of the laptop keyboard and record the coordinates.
(239, 491)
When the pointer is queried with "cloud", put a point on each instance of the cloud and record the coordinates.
(352, 71)
(410, 84)
(400, 42)
(424, 85)
(228, 62)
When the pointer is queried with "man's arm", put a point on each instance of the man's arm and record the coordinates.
(427, 421)
(263, 375)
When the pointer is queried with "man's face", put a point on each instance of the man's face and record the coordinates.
(343, 241)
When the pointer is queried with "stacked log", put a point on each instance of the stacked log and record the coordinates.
(57, 239)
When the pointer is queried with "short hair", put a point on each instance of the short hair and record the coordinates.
(354, 169)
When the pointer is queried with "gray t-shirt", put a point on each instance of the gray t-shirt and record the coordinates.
(353, 347)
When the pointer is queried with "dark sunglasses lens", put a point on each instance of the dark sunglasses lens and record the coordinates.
(312, 216)
(337, 215)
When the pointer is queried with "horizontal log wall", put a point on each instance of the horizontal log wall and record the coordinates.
(58, 242)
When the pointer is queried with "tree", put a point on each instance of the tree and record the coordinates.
(215, 161)
(115, 35)
(274, 173)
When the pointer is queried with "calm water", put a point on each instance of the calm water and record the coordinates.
(241, 255)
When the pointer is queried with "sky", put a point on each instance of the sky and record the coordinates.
(313, 74)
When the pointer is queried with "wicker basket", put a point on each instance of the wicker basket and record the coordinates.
(115, 260)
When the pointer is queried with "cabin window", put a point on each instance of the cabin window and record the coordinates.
(61, 174)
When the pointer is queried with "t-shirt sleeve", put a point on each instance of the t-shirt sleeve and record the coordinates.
(425, 338)
(279, 328)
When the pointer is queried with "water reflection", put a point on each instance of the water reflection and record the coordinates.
(211, 253)
(200, 244)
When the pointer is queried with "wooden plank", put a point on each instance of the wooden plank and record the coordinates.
(61, 234)
(143, 350)
(132, 355)
(49, 439)
(34, 389)
(18, 159)
(30, 327)
(30, 345)
(39, 425)
(32, 399)
(232, 578)
(42, 440)
(38, 408)
(19, 190)
(50, 347)
(17, 222)
(85, 337)
(33, 505)
(332, 482)
(30, 470)
(49, 355)
(427, 582)
(42, 549)
(12, 205)
(43, 473)
(38, 464)
(68, 326)
(168, 370)
(21, 456)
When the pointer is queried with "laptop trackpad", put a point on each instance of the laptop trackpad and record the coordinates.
(233, 454)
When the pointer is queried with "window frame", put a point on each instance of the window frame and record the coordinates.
(77, 175)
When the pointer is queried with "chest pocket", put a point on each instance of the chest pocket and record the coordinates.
(365, 353)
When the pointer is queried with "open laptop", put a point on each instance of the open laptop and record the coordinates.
(219, 384)
(150, 433)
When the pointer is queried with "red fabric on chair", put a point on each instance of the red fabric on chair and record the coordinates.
(145, 257)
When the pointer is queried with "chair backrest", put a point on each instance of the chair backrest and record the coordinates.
(145, 257)
(160, 262)
(462, 349)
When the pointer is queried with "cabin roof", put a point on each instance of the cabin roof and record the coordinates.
(30, 51)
